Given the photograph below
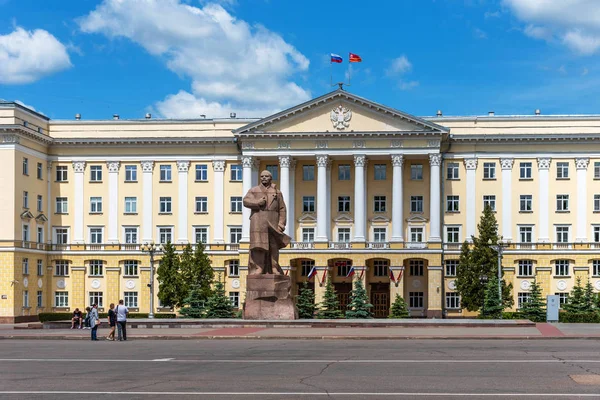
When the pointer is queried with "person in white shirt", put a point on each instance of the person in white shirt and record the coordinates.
(121, 312)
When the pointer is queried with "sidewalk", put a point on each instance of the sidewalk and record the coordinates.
(344, 329)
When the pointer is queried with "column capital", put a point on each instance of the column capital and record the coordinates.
(435, 160)
(397, 160)
(79, 166)
(113, 166)
(285, 161)
(247, 161)
(322, 160)
(183, 166)
(219, 165)
(360, 160)
(544, 163)
(470, 163)
(49, 165)
(147, 166)
(507, 163)
(582, 163)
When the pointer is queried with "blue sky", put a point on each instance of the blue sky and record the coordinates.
(183, 58)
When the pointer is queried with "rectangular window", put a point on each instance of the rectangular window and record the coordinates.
(25, 199)
(308, 172)
(452, 301)
(201, 234)
(596, 267)
(380, 172)
(274, 170)
(95, 205)
(451, 267)
(131, 173)
(165, 205)
(40, 234)
(416, 235)
(61, 299)
(165, 234)
(562, 202)
(344, 235)
(97, 298)
(130, 268)
(307, 266)
(236, 204)
(40, 267)
(25, 266)
(380, 267)
(416, 267)
(96, 235)
(525, 170)
(96, 267)
(201, 204)
(130, 299)
(62, 268)
(597, 170)
(235, 234)
(234, 268)
(344, 172)
(39, 170)
(452, 203)
(522, 298)
(308, 235)
(597, 202)
(130, 205)
(96, 173)
(489, 170)
(40, 203)
(561, 267)
(165, 173)
(308, 203)
(526, 234)
(343, 267)
(201, 172)
(452, 171)
(236, 172)
(416, 172)
(40, 299)
(25, 166)
(415, 299)
(562, 170)
(525, 268)
(562, 299)
(596, 233)
(453, 234)
(380, 235)
(25, 233)
(131, 235)
(416, 204)
(489, 201)
(61, 173)
(526, 203)
(562, 234)
(379, 203)
(343, 203)
(62, 235)
(234, 297)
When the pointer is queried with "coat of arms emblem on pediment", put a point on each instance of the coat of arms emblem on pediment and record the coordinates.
(340, 117)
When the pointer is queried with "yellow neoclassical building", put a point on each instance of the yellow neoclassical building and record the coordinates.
(366, 186)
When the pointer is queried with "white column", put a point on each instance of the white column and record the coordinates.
(328, 216)
(581, 164)
(49, 210)
(255, 166)
(470, 207)
(113, 201)
(506, 164)
(397, 202)
(218, 228)
(284, 186)
(247, 163)
(291, 202)
(360, 214)
(544, 182)
(182, 207)
(435, 222)
(322, 234)
(148, 201)
(79, 170)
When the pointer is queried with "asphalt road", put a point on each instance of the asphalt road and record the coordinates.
(277, 369)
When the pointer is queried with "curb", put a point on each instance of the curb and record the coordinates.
(333, 337)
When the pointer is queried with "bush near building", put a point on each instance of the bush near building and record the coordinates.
(399, 308)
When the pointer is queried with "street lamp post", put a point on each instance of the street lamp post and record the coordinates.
(151, 248)
(499, 247)
(483, 279)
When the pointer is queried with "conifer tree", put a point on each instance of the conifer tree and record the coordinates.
(359, 306)
(201, 274)
(218, 304)
(329, 308)
(493, 304)
(186, 264)
(171, 288)
(576, 300)
(399, 308)
(535, 308)
(195, 304)
(589, 297)
(306, 302)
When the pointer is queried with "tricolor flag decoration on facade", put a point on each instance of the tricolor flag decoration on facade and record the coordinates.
(354, 58)
(392, 278)
(336, 58)
(313, 272)
(351, 272)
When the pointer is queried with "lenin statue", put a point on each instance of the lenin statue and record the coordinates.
(267, 223)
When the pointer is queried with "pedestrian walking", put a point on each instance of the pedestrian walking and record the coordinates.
(94, 321)
(112, 322)
(86, 321)
(122, 312)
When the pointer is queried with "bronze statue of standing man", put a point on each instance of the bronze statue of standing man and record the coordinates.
(267, 223)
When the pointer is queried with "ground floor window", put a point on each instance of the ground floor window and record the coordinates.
(452, 300)
(234, 297)
(415, 299)
(131, 299)
(343, 267)
(416, 267)
(40, 298)
(234, 268)
(61, 299)
(96, 298)
(451, 266)
(562, 299)
(522, 298)
(596, 267)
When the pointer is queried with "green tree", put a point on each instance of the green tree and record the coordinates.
(399, 308)
(359, 306)
(171, 287)
(195, 304)
(493, 304)
(576, 301)
(306, 302)
(218, 304)
(329, 308)
(199, 272)
(535, 308)
(186, 263)
(589, 297)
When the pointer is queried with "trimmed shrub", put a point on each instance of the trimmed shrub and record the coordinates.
(588, 317)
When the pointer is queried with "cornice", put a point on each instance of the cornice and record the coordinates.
(25, 132)
(142, 141)
(519, 138)
(343, 134)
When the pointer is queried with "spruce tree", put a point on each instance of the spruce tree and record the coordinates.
(186, 263)
(195, 304)
(535, 308)
(199, 273)
(329, 308)
(359, 306)
(171, 288)
(306, 302)
(589, 297)
(218, 304)
(493, 303)
(576, 300)
(399, 308)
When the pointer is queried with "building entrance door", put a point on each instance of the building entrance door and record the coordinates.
(380, 298)
(343, 294)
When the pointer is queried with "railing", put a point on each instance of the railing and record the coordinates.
(232, 246)
(526, 246)
(340, 245)
(60, 247)
(130, 246)
(452, 246)
(562, 246)
(94, 247)
(415, 245)
(302, 245)
(378, 245)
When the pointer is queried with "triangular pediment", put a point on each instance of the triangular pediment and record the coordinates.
(340, 112)
(26, 215)
(343, 219)
(307, 219)
(416, 219)
(41, 218)
(380, 219)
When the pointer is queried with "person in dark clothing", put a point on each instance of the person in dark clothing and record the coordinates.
(112, 322)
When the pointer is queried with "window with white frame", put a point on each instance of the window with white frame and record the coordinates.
(451, 267)
(308, 203)
(40, 203)
(130, 205)
(25, 166)
(40, 267)
(344, 203)
(95, 205)
(525, 234)
(415, 299)
(452, 301)
(525, 169)
(489, 170)
(234, 267)
(96, 267)
(343, 235)
(597, 170)
(380, 267)
(343, 267)
(380, 172)
(130, 267)
(201, 172)
(453, 234)
(274, 170)
(596, 267)
(39, 170)
(62, 205)
(61, 173)
(25, 199)
(562, 202)
(201, 234)
(96, 234)
(165, 234)
(131, 173)
(489, 200)
(25, 266)
(61, 235)
(344, 172)
(596, 233)
(61, 299)
(416, 234)
(236, 204)
(234, 298)
(165, 173)
(525, 267)
(25, 232)
(562, 234)
(308, 235)
(235, 234)
(561, 267)
(97, 298)
(96, 173)
(416, 204)
(562, 299)
(525, 203)
(562, 170)
(40, 234)
(306, 267)
(236, 172)
(597, 202)
(201, 204)
(40, 299)
(131, 235)
(61, 268)
(416, 267)
(380, 234)
(452, 203)
(379, 203)
(416, 172)
(522, 298)
(130, 299)
(308, 172)
(452, 171)
(165, 205)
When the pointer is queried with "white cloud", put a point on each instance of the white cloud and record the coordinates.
(27, 56)
(479, 34)
(399, 66)
(575, 23)
(585, 71)
(408, 85)
(233, 66)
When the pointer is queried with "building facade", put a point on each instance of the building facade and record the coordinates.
(366, 186)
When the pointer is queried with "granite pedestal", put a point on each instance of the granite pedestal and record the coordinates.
(269, 296)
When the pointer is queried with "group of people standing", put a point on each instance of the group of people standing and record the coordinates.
(117, 320)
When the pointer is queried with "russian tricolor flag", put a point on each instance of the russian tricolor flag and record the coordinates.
(336, 58)
(392, 278)
(313, 272)
(351, 272)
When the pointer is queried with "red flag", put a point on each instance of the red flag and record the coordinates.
(354, 58)
(362, 273)
(400, 275)
(392, 278)
(324, 273)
